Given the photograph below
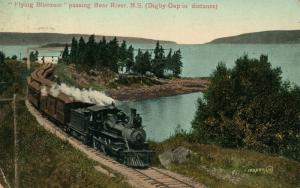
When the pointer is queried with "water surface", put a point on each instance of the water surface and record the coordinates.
(162, 115)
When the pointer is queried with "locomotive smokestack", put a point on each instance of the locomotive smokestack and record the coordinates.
(133, 114)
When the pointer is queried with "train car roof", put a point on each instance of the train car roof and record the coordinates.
(96, 108)
(80, 110)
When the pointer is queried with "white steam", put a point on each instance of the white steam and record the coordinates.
(44, 91)
(54, 90)
(88, 96)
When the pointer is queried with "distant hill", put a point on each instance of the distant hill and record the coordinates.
(264, 37)
(11, 38)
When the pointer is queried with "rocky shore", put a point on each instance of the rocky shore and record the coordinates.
(166, 88)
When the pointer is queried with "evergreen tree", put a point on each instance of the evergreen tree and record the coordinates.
(123, 51)
(81, 50)
(65, 54)
(129, 58)
(36, 54)
(123, 55)
(142, 62)
(158, 63)
(177, 63)
(137, 68)
(2, 57)
(169, 61)
(74, 51)
(113, 51)
(146, 63)
(90, 52)
(104, 40)
(32, 57)
(102, 56)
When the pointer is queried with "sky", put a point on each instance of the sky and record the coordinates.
(185, 25)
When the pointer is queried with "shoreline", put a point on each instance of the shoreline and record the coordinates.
(167, 88)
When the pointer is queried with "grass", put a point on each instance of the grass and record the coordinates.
(219, 167)
(134, 82)
(64, 74)
(44, 160)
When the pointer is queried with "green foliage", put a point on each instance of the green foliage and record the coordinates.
(64, 74)
(14, 57)
(123, 55)
(159, 61)
(249, 106)
(89, 57)
(113, 53)
(129, 62)
(93, 55)
(74, 51)
(33, 56)
(13, 77)
(101, 55)
(142, 62)
(176, 63)
(2, 57)
(65, 54)
(6, 74)
(159, 65)
(81, 52)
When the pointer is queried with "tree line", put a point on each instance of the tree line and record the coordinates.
(109, 54)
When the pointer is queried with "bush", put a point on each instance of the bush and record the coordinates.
(14, 57)
(2, 57)
(249, 106)
(6, 74)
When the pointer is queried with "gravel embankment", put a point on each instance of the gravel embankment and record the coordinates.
(168, 88)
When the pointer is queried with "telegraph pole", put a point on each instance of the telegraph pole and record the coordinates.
(16, 143)
(28, 59)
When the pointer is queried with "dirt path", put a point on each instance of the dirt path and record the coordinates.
(167, 88)
(147, 178)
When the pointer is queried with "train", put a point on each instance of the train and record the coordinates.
(105, 128)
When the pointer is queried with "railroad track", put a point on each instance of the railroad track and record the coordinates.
(146, 178)
(158, 178)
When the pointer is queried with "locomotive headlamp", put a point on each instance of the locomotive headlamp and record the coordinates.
(138, 137)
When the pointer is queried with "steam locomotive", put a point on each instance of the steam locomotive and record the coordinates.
(106, 128)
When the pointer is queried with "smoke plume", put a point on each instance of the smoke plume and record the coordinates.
(88, 96)
(44, 91)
